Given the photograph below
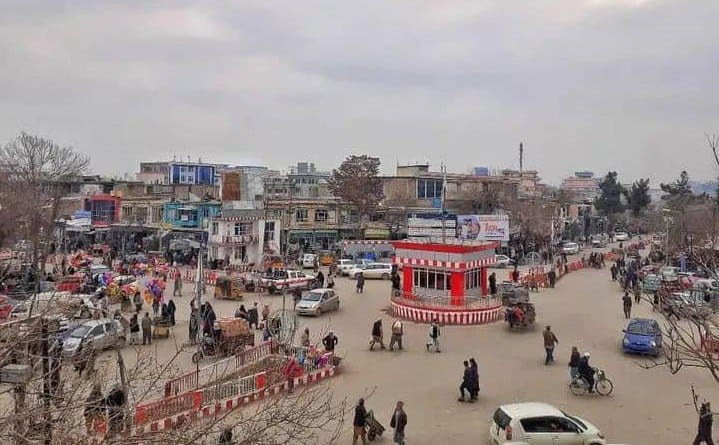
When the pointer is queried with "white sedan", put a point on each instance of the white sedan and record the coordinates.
(382, 271)
(502, 261)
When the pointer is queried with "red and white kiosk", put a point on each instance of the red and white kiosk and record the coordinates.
(446, 281)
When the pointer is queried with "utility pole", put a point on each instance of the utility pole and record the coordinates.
(198, 294)
(46, 393)
(521, 157)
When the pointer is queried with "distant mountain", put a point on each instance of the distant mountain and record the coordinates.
(709, 187)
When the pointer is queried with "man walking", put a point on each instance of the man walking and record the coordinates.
(377, 335)
(627, 304)
(146, 329)
(434, 334)
(475, 378)
(704, 430)
(177, 287)
(397, 332)
(399, 422)
(550, 340)
(360, 283)
(360, 421)
(493, 283)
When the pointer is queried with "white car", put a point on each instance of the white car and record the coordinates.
(318, 301)
(621, 236)
(309, 260)
(570, 248)
(344, 266)
(382, 271)
(540, 424)
(502, 261)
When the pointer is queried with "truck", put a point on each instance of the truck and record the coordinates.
(287, 279)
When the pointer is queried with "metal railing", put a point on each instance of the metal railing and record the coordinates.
(219, 370)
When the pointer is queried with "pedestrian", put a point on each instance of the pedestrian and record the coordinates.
(475, 378)
(146, 329)
(434, 333)
(613, 271)
(194, 324)
(330, 341)
(225, 437)
(242, 313)
(155, 306)
(574, 363)
(134, 330)
(265, 313)
(171, 309)
(137, 299)
(466, 383)
(627, 305)
(398, 422)
(320, 279)
(704, 429)
(637, 294)
(254, 316)
(266, 333)
(360, 283)
(377, 335)
(656, 300)
(397, 332)
(550, 340)
(177, 286)
(115, 401)
(330, 282)
(552, 276)
(305, 338)
(359, 423)
(396, 283)
(493, 283)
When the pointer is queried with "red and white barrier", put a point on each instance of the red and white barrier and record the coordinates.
(463, 316)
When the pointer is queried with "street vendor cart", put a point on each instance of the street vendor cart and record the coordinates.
(161, 327)
(229, 288)
(230, 336)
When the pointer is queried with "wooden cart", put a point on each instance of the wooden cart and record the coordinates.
(229, 288)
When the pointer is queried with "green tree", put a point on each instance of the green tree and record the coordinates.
(677, 193)
(638, 196)
(357, 182)
(609, 202)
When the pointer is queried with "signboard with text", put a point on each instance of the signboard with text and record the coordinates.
(431, 225)
(483, 227)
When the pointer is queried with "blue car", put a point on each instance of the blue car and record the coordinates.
(642, 336)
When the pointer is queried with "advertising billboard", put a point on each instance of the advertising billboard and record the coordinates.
(483, 227)
(431, 225)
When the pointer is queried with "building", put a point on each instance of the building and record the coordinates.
(192, 173)
(153, 172)
(190, 215)
(243, 238)
(529, 183)
(583, 186)
(243, 187)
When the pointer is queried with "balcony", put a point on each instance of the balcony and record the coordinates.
(233, 240)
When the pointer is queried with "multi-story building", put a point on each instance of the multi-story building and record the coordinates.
(583, 186)
(243, 187)
(242, 238)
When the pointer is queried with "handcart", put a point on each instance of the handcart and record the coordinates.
(224, 342)
(161, 327)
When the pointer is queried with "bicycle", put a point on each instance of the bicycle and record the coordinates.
(602, 385)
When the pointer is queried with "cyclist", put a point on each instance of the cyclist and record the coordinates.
(586, 371)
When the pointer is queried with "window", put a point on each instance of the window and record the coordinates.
(321, 215)
(127, 213)
(429, 188)
(301, 215)
(243, 228)
(187, 174)
(430, 279)
(97, 330)
(548, 425)
(215, 228)
(269, 231)
(239, 253)
(473, 279)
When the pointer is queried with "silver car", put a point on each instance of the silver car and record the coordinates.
(98, 334)
(318, 301)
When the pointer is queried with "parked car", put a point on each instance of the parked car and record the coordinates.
(570, 248)
(642, 336)
(99, 334)
(318, 301)
(599, 240)
(669, 273)
(382, 271)
(344, 266)
(502, 261)
(309, 260)
(541, 424)
(621, 236)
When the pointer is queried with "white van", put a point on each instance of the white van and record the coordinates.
(309, 260)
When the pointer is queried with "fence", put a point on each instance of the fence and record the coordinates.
(470, 302)
(221, 369)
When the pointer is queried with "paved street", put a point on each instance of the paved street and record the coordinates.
(647, 406)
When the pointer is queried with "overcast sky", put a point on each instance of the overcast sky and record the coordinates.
(628, 85)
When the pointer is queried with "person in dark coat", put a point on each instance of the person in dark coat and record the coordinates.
(330, 341)
(226, 437)
(115, 401)
(254, 316)
(146, 329)
(586, 371)
(493, 283)
(360, 283)
(627, 305)
(171, 309)
(613, 271)
(359, 423)
(704, 430)
(574, 363)
(320, 279)
(552, 276)
(466, 382)
(377, 335)
(134, 330)
(398, 422)
(475, 378)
